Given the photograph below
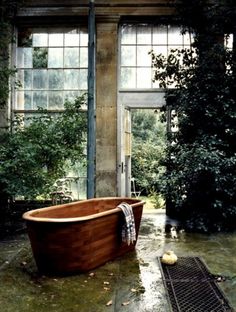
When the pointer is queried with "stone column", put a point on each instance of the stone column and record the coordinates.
(106, 109)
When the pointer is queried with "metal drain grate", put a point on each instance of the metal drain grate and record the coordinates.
(192, 288)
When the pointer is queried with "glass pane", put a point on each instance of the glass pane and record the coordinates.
(40, 40)
(71, 79)
(144, 77)
(55, 100)
(83, 79)
(228, 41)
(128, 56)
(128, 34)
(174, 35)
(24, 37)
(188, 38)
(70, 95)
(71, 40)
(25, 78)
(40, 79)
(128, 77)
(144, 35)
(55, 79)
(83, 57)
(143, 58)
(39, 99)
(174, 48)
(71, 57)
(84, 37)
(28, 100)
(24, 100)
(160, 50)
(24, 57)
(155, 84)
(40, 57)
(55, 57)
(160, 34)
(55, 40)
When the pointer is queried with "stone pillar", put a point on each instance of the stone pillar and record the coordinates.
(106, 109)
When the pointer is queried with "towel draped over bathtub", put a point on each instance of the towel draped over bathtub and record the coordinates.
(128, 232)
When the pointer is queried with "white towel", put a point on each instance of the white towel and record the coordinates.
(128, 229)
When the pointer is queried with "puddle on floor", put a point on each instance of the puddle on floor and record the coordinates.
(131, 283)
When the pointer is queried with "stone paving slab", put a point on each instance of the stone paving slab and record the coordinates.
(131, 283)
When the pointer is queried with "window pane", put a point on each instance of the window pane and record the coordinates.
(160, 35)
(25, 78)
(143, 58)
(144, 77)
(24, 100)
(128, 56)
(40, 40)
(144, 35)
(55, 57)
(40, 57)
(128, 34)
(55, 40)
(174, 35)
(55, 100)
(188, 38)
(155, 84)
(71, 79)
(84, 37)
(160, 50)
(71, 57)
(25, 37)
(128, 77)
(24, 58)
(40, 79)
(83, 57)
(83, 79)
(173, 48)
(39, 99)
(71, 40)
(70, 95)
(55, 79)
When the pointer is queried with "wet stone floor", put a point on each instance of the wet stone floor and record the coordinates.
(130, 283)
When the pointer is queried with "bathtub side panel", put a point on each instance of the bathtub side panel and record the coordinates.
(61, 248)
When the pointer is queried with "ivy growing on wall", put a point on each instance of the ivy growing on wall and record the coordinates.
(200, 182)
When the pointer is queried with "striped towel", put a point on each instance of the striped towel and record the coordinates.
(128, 229)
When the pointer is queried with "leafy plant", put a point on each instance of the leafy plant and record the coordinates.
(34, 156)
(199, 184)
(147, 150)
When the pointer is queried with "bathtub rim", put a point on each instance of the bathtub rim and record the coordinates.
(28, 214)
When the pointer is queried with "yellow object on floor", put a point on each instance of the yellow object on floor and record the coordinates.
(169, 257)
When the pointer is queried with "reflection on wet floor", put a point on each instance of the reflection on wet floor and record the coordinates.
(131, 283)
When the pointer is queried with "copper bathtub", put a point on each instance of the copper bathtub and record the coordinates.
(79, 236)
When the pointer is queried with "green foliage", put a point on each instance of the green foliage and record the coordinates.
(200, 181)
(34, 156)
(147, 150)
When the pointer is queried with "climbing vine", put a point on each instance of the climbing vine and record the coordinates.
(199, 184)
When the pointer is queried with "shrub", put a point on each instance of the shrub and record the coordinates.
(34, 156)
(199, 184)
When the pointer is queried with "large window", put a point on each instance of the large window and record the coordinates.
(137, 40)
(51, 66)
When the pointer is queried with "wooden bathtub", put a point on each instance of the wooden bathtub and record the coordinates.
(79, 236)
